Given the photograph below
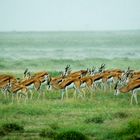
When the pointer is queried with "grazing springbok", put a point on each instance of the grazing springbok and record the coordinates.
(133, 86)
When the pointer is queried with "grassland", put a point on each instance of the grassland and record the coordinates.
(101, 117)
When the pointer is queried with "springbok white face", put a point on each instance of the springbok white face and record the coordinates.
(47, 82)
(47, 78)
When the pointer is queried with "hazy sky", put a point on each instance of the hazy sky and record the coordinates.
(46, 15)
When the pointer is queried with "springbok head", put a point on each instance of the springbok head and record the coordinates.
(102, 67)
(67, 70)
(47, 78)
(129, 71)
(127, 74)
(27, 73)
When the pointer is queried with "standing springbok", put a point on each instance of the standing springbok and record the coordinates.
(133, 86)
(58, 80)
(65, 84)
(35, 82)
(25, 86)
(5, 82)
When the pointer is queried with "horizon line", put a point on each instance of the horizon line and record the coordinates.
(107, 30)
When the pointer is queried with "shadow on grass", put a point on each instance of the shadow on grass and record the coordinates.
(96, 119)
(10, 127)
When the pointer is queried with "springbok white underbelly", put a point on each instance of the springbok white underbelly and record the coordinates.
(72, 85)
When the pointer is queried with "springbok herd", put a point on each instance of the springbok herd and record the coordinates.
(81, 81)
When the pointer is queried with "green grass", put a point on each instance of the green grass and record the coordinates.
(50, 116)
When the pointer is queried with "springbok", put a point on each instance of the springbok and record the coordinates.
(58, 80)
(106, 77)
(17, 90)
(130, 76)
(5, 82)
(133, 86)
(65, 84)
(6, 77)
(35, 81)
(22, 87)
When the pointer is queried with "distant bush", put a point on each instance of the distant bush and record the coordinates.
(97, 119)
(12, 127)
(70, 135)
